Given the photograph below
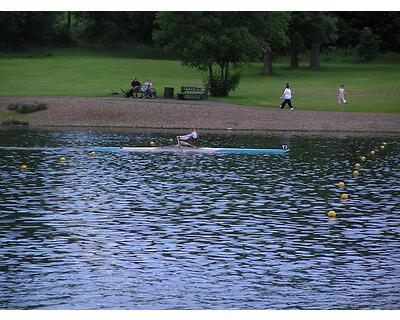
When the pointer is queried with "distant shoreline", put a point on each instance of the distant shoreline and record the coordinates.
(118, 112)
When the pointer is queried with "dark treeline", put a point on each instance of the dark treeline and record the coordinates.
(23, 30)
(384, 25)
(19, 30)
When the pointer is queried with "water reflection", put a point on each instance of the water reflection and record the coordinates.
(162, 231)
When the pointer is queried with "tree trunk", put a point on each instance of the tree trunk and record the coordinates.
(267, 68)
(226, 80)
(314, 56)
(69, 22)
(211, 80)
(222, 80)
(294, 58)
(67, 27)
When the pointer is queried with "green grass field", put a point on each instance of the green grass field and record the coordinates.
(370, 87)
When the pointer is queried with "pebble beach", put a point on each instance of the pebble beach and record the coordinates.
(204, 115)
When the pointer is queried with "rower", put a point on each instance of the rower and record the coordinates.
(189, 140)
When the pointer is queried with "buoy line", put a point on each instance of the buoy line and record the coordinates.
(357, 166)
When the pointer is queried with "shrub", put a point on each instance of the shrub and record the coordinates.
(219, 86)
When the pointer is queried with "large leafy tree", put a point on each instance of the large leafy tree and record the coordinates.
(368, 46)
(19, 30)
(315, 29)
(271, 29)
(384, 25)
(213, 41)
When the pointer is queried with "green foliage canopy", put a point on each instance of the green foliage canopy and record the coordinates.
(115, 25)
(316, 27)
(271, 28)
(202, 39)
(22, 29)
(368, 46)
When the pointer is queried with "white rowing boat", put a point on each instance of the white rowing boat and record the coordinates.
(175, 149)
(170, 149)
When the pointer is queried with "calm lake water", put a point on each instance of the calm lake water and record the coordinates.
(184, 231)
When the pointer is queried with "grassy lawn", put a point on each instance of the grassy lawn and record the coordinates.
(370, 87)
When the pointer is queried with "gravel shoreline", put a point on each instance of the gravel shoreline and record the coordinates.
(206, 115)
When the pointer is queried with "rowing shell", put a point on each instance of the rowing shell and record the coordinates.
(191, 150)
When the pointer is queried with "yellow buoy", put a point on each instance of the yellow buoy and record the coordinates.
(357, 165)
(372, 152)
(24, 167)
(341, 184)
(92, 153)
(363, 158)
(382, 147)
(331, 214)
(355, 173)
(152, 143)
(344, 196)
(62, 158)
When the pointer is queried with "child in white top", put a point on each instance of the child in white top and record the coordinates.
(341, 98)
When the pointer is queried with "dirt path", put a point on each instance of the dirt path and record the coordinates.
(163, 113)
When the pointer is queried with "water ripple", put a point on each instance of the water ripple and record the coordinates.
(165, 231)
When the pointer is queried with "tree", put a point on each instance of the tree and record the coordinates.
(296, 46)
(67, 26)
(115, 25)
(368, 46)
(208, 41)
(315, 28)
(385, 25)
(22, 29)
(271, 28)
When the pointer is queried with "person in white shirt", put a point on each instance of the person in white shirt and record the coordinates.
(188, 140)
(341, 98)
(148, 89)
(286, 98)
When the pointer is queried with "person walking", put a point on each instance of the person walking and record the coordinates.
(341, 97)
(286, 98)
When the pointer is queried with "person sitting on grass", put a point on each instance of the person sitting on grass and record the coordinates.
(188, 140)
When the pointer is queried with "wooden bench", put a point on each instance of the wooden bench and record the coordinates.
(192, 92)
